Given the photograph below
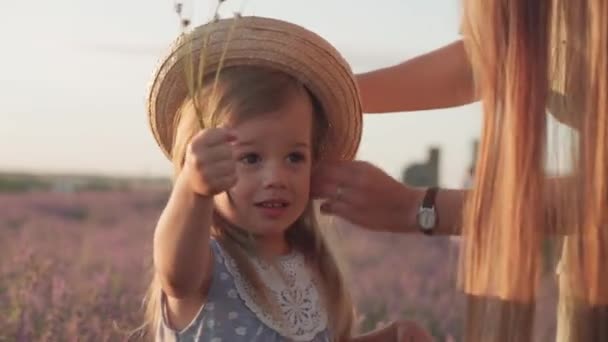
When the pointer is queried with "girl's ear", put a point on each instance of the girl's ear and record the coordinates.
(314, 169)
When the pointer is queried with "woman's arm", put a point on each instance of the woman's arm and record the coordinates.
(366, 196)
(449, 204)
(399, 331)
(439, 79)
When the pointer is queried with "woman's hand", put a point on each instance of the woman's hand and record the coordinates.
(363, 194)
(409, 331)
(397, 331)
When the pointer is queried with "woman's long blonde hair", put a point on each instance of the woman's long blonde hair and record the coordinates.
(529, 57)
(241, 93)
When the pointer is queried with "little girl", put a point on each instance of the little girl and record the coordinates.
(238, 254)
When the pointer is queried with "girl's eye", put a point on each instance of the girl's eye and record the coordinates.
(296, 157)
(250, 158)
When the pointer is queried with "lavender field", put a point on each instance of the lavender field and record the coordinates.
(75, 266)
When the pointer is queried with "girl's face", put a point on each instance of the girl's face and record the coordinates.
(274, 156)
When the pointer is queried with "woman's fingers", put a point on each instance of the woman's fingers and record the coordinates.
(333, 178)
(345, 211)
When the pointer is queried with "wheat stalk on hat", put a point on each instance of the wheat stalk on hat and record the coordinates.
(195, 84)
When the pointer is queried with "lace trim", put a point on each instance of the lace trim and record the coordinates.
(296, 294)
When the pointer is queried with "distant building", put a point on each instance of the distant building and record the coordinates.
(424, 174)
(469, 177)
(64, 185)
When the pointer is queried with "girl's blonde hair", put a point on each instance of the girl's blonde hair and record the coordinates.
(527, 56)
(243, 92)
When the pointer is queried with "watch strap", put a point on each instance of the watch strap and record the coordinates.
(429, 197)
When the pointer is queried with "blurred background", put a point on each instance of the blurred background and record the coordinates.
(82, 181)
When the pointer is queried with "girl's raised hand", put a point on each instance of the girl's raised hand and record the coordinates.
(209, 164)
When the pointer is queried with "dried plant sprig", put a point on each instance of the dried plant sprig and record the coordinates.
(222, 58)
(189, 70)
(178, 6)
(188, 63)
(194, 84)
(201, 64)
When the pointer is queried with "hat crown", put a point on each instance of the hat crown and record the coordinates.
(264, 42)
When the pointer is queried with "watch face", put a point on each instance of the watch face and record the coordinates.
(426, 218)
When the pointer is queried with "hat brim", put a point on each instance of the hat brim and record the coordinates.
(267, 43)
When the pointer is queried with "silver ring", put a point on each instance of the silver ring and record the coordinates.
(339, 192)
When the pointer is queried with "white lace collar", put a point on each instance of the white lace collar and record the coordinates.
(296, 294)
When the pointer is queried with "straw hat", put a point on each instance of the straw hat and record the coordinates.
(268, 43)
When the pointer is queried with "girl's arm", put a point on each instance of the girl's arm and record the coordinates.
(439, 79)
(182, 255)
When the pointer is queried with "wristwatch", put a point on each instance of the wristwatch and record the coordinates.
(427, 215)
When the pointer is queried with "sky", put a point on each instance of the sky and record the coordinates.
(74, 74)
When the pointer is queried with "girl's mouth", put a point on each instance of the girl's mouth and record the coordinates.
(272, 208)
